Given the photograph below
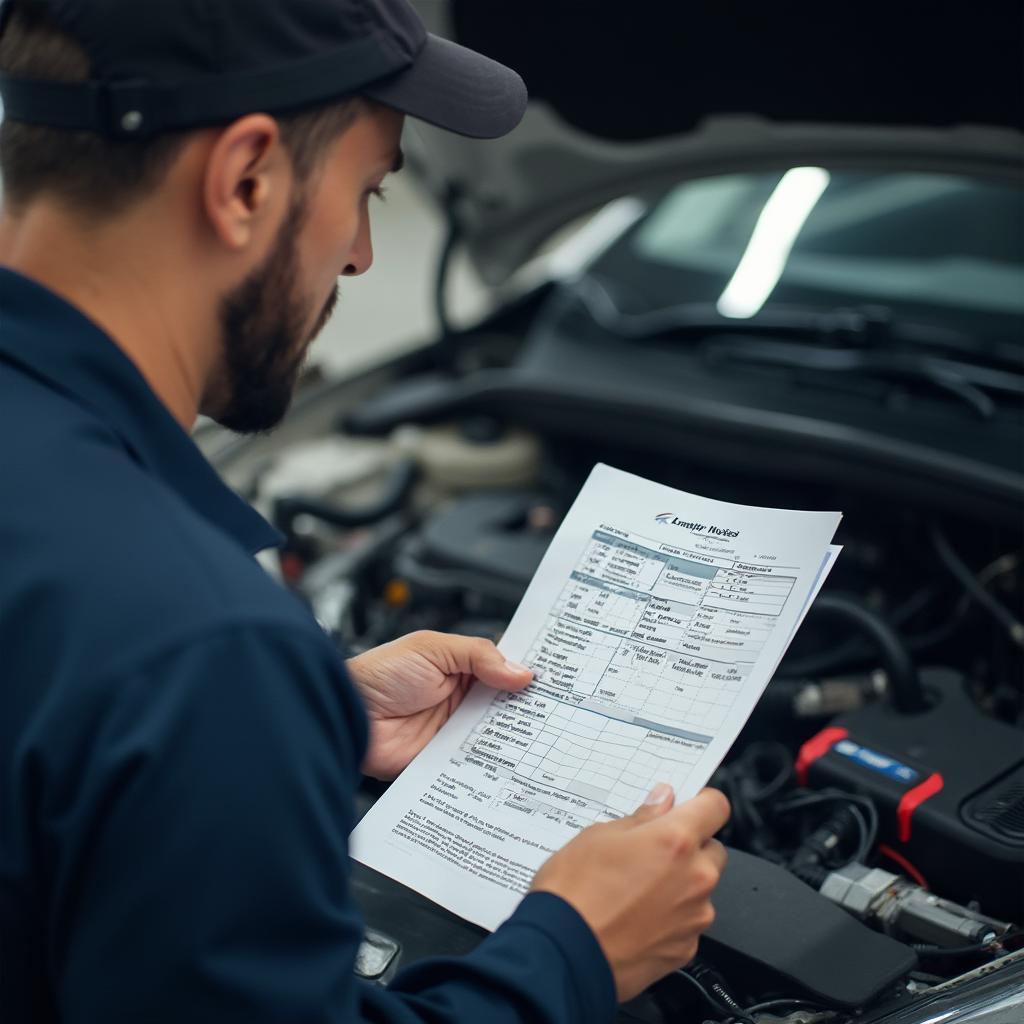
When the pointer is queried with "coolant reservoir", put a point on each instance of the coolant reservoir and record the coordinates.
(474, 453)
(331, 467)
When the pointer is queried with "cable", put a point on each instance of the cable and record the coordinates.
(811, 855)
(707, 976)
(925, 641)
(905, 687)
(705, 994)
(999, 567)
(958, 568)
(865, 842)
(897, 858)
(802, 800)
(727, 1011)
(757, 775)
(993, 946)
(792, 1004)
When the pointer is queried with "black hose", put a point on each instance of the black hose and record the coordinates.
(855, 649)
(396, 491)
(958, 568)
(450, 583)
(904, 685)
(752, 779)
(813, 874)
(452, 236)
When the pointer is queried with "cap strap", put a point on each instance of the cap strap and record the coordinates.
(133, 109)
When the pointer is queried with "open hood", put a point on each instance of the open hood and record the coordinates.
(627, 98)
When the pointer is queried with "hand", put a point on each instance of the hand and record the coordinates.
(643, 883)
(412, 685)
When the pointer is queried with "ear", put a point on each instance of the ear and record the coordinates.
(245, 177)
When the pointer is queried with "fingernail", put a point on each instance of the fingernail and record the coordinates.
(661, 792)
(514, 666)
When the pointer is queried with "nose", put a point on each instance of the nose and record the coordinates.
(361, 254)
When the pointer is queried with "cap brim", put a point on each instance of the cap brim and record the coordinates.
(455, 88)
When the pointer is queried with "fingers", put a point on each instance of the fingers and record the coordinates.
(702, 816)
(717, 854)
(658, 801)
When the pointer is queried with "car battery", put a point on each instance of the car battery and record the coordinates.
(948, 783)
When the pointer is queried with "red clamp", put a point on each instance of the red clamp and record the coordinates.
(817, 746)
(911, 800)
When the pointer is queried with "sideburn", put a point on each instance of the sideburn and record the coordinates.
(262, 324)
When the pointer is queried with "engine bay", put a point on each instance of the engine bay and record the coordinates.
(877, 836)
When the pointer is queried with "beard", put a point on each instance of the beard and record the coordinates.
(262, 324)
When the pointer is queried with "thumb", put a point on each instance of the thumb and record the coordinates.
(491, 667)
(659, 800)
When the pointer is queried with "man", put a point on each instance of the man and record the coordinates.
(179, 742)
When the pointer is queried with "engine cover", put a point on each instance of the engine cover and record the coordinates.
(773, 930)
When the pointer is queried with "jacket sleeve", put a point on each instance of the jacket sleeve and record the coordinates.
(198, 815)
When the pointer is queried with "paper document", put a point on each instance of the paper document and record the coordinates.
(652, 625)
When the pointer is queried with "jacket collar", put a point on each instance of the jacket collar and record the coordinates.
(56, 343)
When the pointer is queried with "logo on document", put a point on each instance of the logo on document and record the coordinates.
(664, 518)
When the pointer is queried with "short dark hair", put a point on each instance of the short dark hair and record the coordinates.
(97, 175)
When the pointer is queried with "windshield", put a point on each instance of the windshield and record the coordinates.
(933, 249)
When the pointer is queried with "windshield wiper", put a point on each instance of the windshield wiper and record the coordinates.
(966, 381)
(863, 328)
(862, 341)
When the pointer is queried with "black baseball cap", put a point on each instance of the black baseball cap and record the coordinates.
(165, 65)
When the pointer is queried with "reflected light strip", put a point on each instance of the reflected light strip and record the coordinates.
(784, 214)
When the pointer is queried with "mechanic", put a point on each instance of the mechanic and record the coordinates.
(180, 743)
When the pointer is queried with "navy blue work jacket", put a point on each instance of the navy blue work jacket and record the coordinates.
(179, 741)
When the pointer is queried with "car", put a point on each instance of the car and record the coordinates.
(771, 256)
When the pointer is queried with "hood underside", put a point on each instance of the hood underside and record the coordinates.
(635, 97)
